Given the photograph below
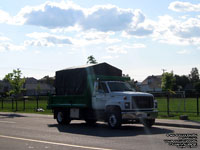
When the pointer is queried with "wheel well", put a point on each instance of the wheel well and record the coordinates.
(56, 110)
(113, 108)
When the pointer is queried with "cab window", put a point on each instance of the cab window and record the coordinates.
(102, 88)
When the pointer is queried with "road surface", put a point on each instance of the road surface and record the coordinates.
(36, 132)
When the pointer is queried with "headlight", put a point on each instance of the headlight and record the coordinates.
(127, 105)
(155, 104)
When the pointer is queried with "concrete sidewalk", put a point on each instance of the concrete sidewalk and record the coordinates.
(178, 123)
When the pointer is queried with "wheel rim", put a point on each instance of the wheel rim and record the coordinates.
(112, 120)
(60, 116)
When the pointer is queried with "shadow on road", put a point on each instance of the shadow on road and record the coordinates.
(102, 130)
(11, 115)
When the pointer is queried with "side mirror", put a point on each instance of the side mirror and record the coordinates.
(96, 86)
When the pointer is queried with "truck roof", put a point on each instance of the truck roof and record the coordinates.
(98, 66)
(74, 80)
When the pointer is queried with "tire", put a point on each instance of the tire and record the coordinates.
(62, 118)
(114, 119)
(90, 122)
(148, 122)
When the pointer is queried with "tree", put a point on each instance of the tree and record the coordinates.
(168, 81)
(16, 82)
(197, 87)
(38, 89)
(125, 75)
(194, 75)
(181, 82)
(48, 80)
(91, 60)
(1, 92)
(133, 84)
(0, 86)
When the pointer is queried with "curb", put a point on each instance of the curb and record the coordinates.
(178, 125)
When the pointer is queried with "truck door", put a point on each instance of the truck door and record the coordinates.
(100, 96)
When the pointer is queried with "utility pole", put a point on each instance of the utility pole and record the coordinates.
(163, 70)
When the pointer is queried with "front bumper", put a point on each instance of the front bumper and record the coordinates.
(139, 115)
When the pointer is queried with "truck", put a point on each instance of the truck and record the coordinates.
(100, 92)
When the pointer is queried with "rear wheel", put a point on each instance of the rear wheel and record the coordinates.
(62, 118)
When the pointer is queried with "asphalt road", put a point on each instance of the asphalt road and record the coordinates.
(38, 132)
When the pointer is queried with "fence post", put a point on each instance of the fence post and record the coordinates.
(37, 101)
(184, 101)
(2, 103)
(16, 104)
(12, 103)
(24, 102)
(168, 105)
(197, 105)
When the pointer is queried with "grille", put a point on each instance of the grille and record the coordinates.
(142, 102)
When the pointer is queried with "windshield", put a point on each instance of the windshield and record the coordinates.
(119, 86)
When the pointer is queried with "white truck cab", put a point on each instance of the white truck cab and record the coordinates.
(122, 104)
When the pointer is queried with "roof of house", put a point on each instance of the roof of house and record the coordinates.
(39, 86)
(153, 81)
(31, 80)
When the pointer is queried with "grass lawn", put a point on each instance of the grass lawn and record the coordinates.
(178, 107)
(30, 105)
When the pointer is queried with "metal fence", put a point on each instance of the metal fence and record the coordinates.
(25, 103)
(178, 105)
(167, 105)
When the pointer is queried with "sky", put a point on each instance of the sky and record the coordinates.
(139, 37)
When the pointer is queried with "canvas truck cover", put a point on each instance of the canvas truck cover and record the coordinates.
(73, 81)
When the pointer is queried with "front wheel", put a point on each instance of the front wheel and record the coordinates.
(114, 119)
(62, 118)
(148, 122)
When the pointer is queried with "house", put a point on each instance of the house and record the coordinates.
(33, 87)
(151, 84)
(4, 87)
